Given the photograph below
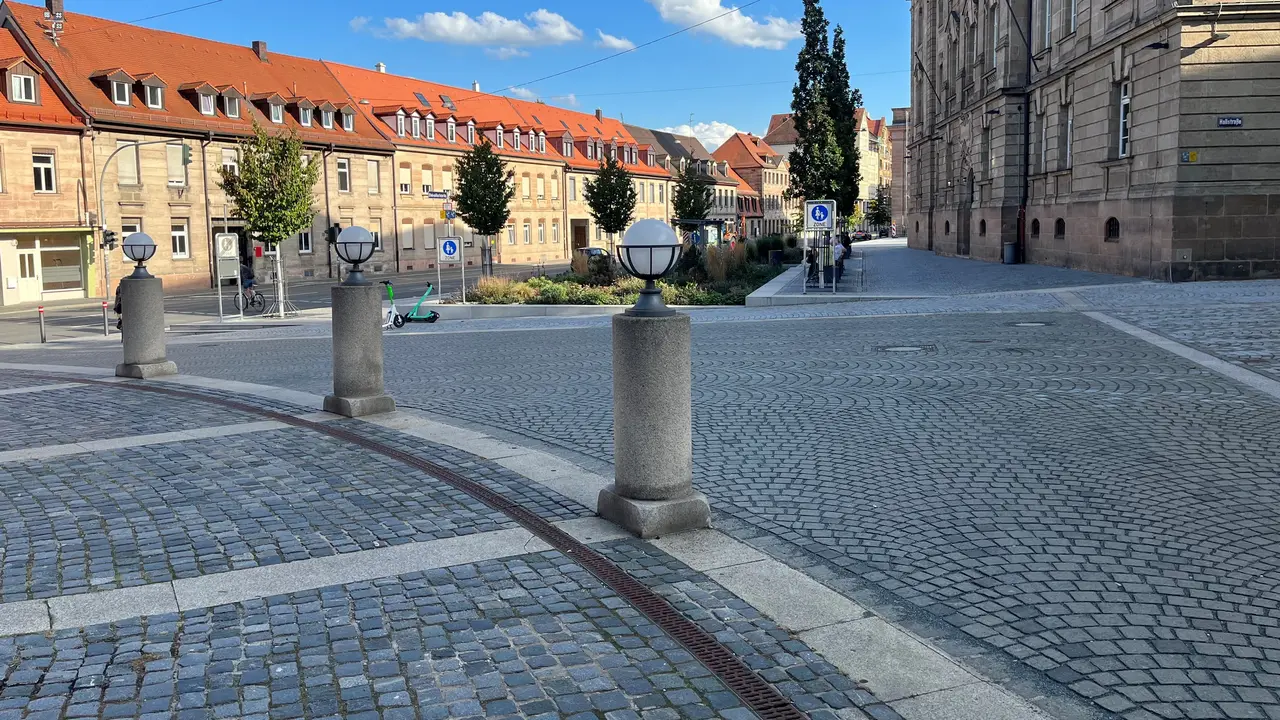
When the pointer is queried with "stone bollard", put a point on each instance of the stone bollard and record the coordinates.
(357, 353)
(142, 330)
(652, 493)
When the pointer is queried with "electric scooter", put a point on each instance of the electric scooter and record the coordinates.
(393, 318)
(415, 315)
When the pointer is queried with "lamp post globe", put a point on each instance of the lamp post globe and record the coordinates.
(139, 247)
(649, 250)
(354, 246)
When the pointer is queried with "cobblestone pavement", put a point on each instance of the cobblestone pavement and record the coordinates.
(530, 637)
(1041, 485)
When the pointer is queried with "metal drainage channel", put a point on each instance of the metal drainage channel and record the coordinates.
(759, 695)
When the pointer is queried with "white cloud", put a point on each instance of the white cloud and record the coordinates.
(524, 93)
(712, 134)
(543, 27)
(571, 100)
(736, 28)
(505, 53)
(612, 42)
(357, 23)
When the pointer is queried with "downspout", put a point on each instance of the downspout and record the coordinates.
(395, 204)
(208, 214)
(1021, 255)
(83, 202)
(328, 216)
(566, 238)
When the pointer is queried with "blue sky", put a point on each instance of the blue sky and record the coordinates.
(503, 43)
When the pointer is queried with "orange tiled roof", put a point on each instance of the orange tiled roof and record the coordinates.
(743, 187)
(372, 90)
(50, 111)
(782, 130)
(745, 150)
(90, 44)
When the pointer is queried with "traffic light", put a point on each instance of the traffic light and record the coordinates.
(186, 154)
(109, 238)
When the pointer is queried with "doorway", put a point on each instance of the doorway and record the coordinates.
(964, 223)
(579, 234)
(28, 274)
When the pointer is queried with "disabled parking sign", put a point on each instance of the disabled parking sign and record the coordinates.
(820, 215)
(451, 250)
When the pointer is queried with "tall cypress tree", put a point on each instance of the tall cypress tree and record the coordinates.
(816, 159)
(843, 102)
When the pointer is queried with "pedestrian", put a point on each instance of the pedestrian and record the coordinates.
(838, 260)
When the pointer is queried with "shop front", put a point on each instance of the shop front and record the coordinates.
(40, 265)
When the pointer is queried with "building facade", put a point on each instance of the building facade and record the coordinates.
(1127, 136)
(684, 153)
(768, 172)
(875, 148)
(899, 198)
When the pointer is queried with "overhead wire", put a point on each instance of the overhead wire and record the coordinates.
(149, 17)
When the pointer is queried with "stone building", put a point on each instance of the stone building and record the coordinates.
(768, 172)
(899, 198)
(1124, 136)
(875, 147)
(684, 153)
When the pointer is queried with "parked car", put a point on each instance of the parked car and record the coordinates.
(591, 252)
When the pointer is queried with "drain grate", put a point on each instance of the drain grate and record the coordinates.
(907, 348)
(754, 691)
(1030, 324)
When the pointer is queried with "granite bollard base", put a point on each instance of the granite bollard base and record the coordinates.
(357, 353)
(359, 407)
(654, 518)
(144, 371)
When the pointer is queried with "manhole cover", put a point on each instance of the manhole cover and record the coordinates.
(1030, 324)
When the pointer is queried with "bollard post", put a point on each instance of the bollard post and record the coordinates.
(358, 388)
(144, 352)
(40, 309)
(105, 331)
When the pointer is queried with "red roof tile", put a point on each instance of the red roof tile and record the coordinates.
(50, 111)
(782, 130)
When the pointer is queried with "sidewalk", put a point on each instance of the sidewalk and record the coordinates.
(197, 547)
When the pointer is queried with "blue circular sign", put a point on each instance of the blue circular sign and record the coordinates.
(450, 247)
(819, 213)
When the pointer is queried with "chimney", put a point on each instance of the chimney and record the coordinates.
(599, 114)
(54, 7)
(380, 67)
(475, 86)
(259, 48)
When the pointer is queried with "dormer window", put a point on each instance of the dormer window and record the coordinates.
(304, 117)
(231, 105)
(650, 160)
(566, 148)
(155, 97)
(451, 131)
(22, 88)
(591, 151)
(277, 113)
(415, 125)
(515, 140)
(542, 143)
(399, 124)
(471, 133)
(207, 106)
(326, 121)
(499, 133)
(430, 128)
(119, 92)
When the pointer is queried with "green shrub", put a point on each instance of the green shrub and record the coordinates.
(600, 270)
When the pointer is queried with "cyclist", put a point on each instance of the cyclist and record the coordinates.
(247, 280)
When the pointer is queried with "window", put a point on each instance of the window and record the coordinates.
(542, 233)
(127, 162)
(46, 178)
(344, 176)
(566, 148)
(119, 93)
(446, 180)
(515, 140)
(155, 97)
(591, 149)
(573, 189)
(639, 192)
(304, 116)
(129, 226)
(451, 131)
(304, 242)
(428, 178)
(555, 232)
(1, 170)
(662, 191)
(415, 127)
(542, 188)
(982, 228)
(1044, 143)
(1035, 228)
(471, 133)
(988, 158)
(399, 125)
(231, 106)
(277, 113)
(177, 171)
(178, 238)
(207, 106)
(231, 160)
(651, 191)
(947, 228)
(524, 187)
(1059, 228)
(555, 187)
(1048, 23)
(528, 234)
(22, 88)
(375, 179)
(406, 234)
(348, 120)
(542, 142)
(1123, 141)
(1067, 130)
(375, 229)
(406, 179)
(1071, 16)
(993, 19)
(511, 234)
(1113, 230)
(428, 234)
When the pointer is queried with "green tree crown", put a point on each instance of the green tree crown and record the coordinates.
(485, 190)
(611, 197)
(692, 197)
(816, 159)
(843, 103)
(273, 191)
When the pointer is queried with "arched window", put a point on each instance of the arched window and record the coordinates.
(1060, 228)
(982, 227)
(1035, 228)
(917, 227)
(1113, 230)
(946, 229)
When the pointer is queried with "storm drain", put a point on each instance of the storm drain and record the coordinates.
(1030, 324)
(907, 348)
(754, 691)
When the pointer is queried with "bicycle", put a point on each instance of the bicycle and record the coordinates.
(250, 297)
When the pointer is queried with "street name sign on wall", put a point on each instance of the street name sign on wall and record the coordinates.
(820, 215)
(1230, 122)
(451, 250)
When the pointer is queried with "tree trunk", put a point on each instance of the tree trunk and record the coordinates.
(280, 299)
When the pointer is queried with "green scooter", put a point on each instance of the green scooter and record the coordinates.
(415, 315)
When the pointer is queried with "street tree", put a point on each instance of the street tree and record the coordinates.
(881, 211)
(692, 198)
(843, 102)
(485, 190)
(273, 191)
(816, 159)
(611, 198)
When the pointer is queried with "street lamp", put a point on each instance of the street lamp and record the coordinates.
(354, 246)
(139, 247)
(649, 250)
